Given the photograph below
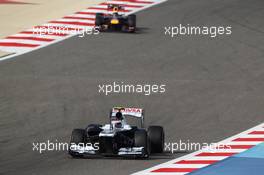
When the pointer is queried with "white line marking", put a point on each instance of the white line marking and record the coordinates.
(21, 51)
(192, 156)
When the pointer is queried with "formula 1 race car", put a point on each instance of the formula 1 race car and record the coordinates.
(114, 20)
(118, 138)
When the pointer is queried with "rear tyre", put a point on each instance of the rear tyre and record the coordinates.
(77, 137)
(132, 20)
(156, 139)
(141, 140)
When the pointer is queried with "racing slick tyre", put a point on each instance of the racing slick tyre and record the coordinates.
(99, 19)
(131, 21)
(141, 140)
(93, 129)
(77, 137)
(156, 139)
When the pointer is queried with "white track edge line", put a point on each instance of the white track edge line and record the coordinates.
(188, 156)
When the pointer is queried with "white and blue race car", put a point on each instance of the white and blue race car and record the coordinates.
(118, 138)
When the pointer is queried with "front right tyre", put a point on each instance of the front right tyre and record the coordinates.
(77, 138)
(99, 19)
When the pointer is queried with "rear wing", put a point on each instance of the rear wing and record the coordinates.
(120, 3)
(115, 6)
(133, 112)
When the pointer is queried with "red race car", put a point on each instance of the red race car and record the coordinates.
(114, 20)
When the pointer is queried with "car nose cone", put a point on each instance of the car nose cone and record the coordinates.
(114, 21)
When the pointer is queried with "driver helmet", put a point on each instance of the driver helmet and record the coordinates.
(119, 115)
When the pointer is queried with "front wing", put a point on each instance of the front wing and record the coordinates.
(89, 150)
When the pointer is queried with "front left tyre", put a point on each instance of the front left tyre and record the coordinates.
(132, 22)
(141, 140)
(156, 139)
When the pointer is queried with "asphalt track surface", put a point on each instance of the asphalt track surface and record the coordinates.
(214, 86)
